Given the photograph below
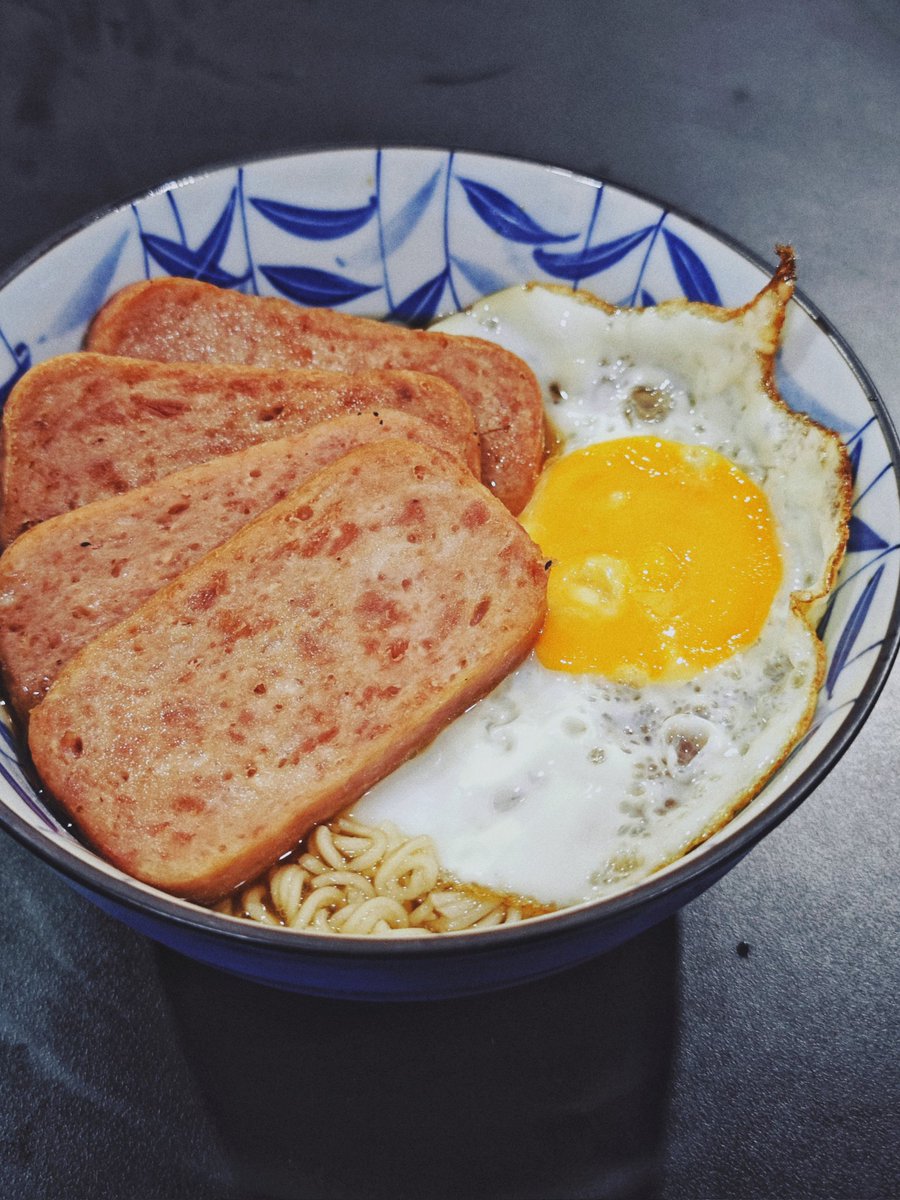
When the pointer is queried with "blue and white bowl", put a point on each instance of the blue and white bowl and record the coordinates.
(412, 234)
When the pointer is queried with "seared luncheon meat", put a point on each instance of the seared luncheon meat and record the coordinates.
(173, 319)
(66, 580)
(82, 426)
(276, 680)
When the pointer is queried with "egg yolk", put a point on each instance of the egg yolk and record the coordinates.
(664, 559)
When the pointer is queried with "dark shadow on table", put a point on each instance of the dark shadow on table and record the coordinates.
(554, 1090)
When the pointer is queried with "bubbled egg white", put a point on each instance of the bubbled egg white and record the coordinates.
(566, 784)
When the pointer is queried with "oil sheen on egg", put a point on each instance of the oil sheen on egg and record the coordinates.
(693, 524)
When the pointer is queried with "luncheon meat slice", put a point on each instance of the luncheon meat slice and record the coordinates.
(65, 581)
(277, 679)
(82, 426)
(171, 319)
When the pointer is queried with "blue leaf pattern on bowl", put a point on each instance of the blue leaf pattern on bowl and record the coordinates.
(21, 361)
(851, 631)
(863, 537)
(177, 258)
(854, 455)
(802, 400)
(308, 285)
(696, 282)
(482, 278)
(396, 230)
(213, 245)
(91, 292)
(584, 263)
(318, 224)
(505, 217)
(420, 306)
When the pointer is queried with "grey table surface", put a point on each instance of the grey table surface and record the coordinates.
(675, 1067)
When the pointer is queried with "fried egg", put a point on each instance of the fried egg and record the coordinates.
(692, 526)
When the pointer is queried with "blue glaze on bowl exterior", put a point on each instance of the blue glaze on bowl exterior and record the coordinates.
(375, 970)
(410, 235)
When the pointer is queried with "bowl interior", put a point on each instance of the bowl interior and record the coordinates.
(414, 234)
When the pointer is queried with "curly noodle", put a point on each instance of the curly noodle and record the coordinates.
(357, 879)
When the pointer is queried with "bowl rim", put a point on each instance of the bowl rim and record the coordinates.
(685, 872)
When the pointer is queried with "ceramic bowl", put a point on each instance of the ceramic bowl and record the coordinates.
(413, 234)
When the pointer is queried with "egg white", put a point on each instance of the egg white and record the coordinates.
(567, 787)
